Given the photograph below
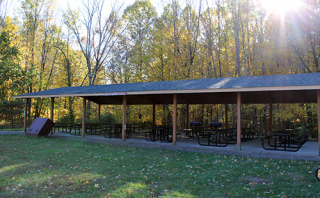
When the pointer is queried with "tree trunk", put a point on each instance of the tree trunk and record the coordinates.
(236, 15)
(219, 39)
(265, 121)
(183, 121)
(254, 118)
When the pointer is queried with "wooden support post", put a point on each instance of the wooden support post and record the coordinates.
(270, 117)
(187, 122)
(226, 116)
(318, 100)
(174, 138)
(52, 113)
(124, 114)
(84, 112)
(99, 113)
(154, 115)
(25, 115)
(239, 121)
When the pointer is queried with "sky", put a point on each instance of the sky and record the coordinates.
(62, 5)
(279, 6)
(74, 4)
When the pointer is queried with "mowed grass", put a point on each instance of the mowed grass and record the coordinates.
(48, 167)
(12, 129)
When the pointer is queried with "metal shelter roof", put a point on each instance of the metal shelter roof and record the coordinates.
(292, 88)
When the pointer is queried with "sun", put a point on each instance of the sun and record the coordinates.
(281, 6)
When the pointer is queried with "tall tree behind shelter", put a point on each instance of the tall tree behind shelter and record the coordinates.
(4, 4)
(95, 33)
(38, 33)
(11, 81)
(139, 18)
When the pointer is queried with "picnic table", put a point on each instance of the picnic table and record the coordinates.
(162, 133)
(75, 129)
(103, 128)
(248, 134)
(223, 137)
(287, 140)
(214, 137)
(109, 131)
(68, 127)
(93, 128)
(115, 130)
(61, 127)
(195, 127)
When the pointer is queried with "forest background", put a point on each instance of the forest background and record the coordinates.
(43, 48)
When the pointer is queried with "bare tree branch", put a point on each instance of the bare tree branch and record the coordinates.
(99, 35)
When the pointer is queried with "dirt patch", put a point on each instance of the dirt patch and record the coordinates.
(255, 180)
(169, 155)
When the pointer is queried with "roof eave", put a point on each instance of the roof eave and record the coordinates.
(241, 89)
(210, 90)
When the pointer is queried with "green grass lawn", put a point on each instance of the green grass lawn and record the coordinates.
(48, 167)
(12, 129)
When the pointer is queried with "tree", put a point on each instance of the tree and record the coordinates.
(3, 11)
(98, 37)
(39, 33)
(139, 18)
(191, 33)
(11, 73)
(236, 28)
(11, 81)
(69, 69)
(119, 70)
(209, 38)
(11, 111)
(172, 24)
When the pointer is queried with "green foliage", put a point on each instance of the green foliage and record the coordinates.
(12, 112)
(10, 77)
(140, 17)
(105, 117)
(66, 118)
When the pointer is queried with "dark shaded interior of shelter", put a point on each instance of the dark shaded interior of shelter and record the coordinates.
(257, 97)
